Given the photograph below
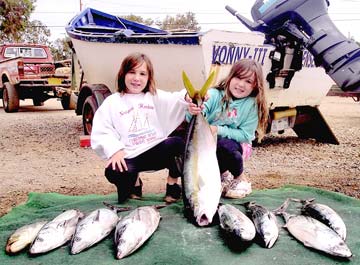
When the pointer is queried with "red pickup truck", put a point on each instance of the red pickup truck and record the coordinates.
(28, 71)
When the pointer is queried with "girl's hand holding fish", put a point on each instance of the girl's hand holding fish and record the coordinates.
(193, 108)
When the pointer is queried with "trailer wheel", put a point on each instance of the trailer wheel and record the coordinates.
(88, 112)
(68, 102)
(38, 102)
(10, 98)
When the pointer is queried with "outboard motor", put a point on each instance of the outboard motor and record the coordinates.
(292, 25)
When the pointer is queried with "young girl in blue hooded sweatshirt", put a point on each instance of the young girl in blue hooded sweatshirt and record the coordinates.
(235, 110)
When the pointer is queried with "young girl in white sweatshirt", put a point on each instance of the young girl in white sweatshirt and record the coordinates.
(131, 129)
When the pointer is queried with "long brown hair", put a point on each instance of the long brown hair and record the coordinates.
(242, 69)
(130, 62)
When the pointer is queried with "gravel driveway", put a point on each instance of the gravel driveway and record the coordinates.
(40, 152)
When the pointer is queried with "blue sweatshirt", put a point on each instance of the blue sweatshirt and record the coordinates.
(238, 122)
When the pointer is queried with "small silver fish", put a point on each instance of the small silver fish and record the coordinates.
(314, 234)
(93, 228)
(56, 232)
(23, 237)
(265, 223)
(235, 222)
(324, 214)
(134, 229)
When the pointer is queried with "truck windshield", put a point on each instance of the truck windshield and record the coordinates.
(26, 52)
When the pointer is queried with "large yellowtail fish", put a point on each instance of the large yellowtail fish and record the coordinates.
(201, 175)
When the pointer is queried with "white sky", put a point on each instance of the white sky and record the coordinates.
(210, 14)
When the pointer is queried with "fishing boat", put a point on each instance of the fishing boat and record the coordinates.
(101, 41)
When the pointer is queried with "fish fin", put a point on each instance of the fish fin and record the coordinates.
(117, 208)
(160, 206)
(307, 244)
(62, 224)
(310, 200)
(97, 217)
(207, 84)
(282, 208)
(188, 85)
(294, 199)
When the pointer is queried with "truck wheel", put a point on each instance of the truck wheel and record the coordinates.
(88, 112)
(68, 102)
(38, 102)
(10, 98)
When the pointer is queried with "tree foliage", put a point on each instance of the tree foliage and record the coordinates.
(60, 49)
(36, 32)
(14, 18)
(185, 21)
(147, 21)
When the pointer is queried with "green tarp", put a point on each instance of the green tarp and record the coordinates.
(177, 241)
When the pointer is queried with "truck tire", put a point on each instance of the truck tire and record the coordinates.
(68, 102)
(38, 102)
(88, 112)
(11, 100)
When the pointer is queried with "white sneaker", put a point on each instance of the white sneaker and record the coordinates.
(238, 189)
(226, 180)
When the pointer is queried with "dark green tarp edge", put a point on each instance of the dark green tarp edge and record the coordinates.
(177, 241)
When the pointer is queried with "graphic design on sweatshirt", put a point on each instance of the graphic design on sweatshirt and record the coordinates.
(140, 131)
(226, 118)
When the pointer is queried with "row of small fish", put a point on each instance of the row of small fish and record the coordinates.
(130, 232)
(240, 225)
(319, 226)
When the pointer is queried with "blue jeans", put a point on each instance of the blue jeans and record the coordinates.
(229, 155)
(159, 157)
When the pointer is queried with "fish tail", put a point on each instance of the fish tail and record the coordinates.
(117, 208)
(282, 208)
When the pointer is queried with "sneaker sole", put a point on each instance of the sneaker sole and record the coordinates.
(230, 196)
(169, 199)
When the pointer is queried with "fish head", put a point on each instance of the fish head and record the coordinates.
(245, 234)
(39, 245)
(15, 244)
(206, 217)
(341, 250)
(77, 245)
(203, 220)
(269, 239)
(121, 249)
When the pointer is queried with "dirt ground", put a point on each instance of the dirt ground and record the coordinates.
(40, 152)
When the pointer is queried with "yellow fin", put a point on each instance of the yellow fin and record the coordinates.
(207, 84)
(188, 85)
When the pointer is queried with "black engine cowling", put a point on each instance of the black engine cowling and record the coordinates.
(306, 24)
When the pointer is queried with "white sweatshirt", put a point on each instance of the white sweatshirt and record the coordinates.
(136, 122)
